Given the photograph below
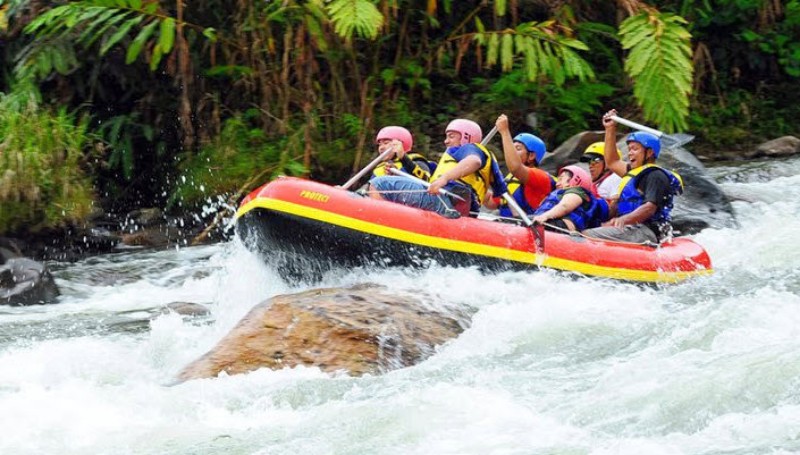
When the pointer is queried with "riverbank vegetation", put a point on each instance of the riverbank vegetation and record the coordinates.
(170, 103)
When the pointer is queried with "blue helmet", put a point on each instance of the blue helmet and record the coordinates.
(533, 144)
(648, 141)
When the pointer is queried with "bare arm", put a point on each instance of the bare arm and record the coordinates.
(564, 207)
(515, 166)
(464, 167)
(613, 162)
(640, 215)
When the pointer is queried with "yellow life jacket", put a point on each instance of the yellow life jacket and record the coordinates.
(417, 172)
(479, 180)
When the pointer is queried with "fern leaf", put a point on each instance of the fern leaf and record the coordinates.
(479, 25)
(660, 65)
(531, 59)
(500, 8)
(107, 20)
(166, 35)
(316, 31)
(210, 33)
(120, 33)
(492, 49)
(155, 58)
(359, 17)
(136, 46)
(543, 52)
(507, 52)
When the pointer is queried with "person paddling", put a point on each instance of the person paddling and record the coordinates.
(466, 168)
(401, 142)
(642, 214)
(526, 183)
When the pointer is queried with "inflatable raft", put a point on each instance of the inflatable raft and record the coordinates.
(299, 225)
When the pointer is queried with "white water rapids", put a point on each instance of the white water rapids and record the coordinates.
(550, 365)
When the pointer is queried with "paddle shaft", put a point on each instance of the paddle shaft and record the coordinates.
(399, 173)
(489, 135)
(382, 157)
(670, 141)
(511, 201)
(637, 126)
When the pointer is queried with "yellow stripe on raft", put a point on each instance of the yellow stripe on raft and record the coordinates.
(461, 246)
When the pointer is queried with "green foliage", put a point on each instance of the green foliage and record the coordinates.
(142, 25)
(38, 61)
(241, 153)
(410, 73)
(315, 68)
(355, 17)
(660, 63)
(41, 181)
(570, 106)
(746, 119)
(119, 133)
(561, 110)
(544, 51)
(782, 40)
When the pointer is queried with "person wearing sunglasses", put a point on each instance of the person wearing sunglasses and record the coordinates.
(606, 181)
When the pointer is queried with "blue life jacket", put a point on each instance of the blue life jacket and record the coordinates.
(631, 198)
(582, 217)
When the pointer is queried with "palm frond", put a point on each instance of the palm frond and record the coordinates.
(660, 64)
(139, 25)
(543, 51)
(355, 17)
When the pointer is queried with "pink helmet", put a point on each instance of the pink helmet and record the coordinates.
(396, 132)
(470, 131)
(579, 178)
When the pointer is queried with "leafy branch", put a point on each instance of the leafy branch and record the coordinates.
(544, 51)
(103, 22)
(359, 17)
(660, 64)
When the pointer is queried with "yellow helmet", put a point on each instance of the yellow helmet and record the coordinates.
(596, 150)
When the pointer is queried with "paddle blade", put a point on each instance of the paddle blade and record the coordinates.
(672, 141)
(538, 237)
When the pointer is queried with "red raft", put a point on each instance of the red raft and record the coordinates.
(296, 223)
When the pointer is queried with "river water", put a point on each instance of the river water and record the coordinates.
(550, 365)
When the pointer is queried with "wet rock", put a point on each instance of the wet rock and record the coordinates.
(10, 248)
(24, 281)
(68, 243)
(703, 203)
(782, 146)
(571, 150)
(147, 217)
(363, 329)
(147, 237)
(186, 309)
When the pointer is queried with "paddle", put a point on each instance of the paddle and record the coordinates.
(670, 141)
(399, 173)
(382, 157)
(538, 230)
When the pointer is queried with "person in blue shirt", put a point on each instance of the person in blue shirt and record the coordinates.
(642, 213)
(466, 168)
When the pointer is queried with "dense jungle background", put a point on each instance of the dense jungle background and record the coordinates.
(111, 105)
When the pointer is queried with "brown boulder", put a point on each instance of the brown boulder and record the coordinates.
(362, 329)
(782, 146)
